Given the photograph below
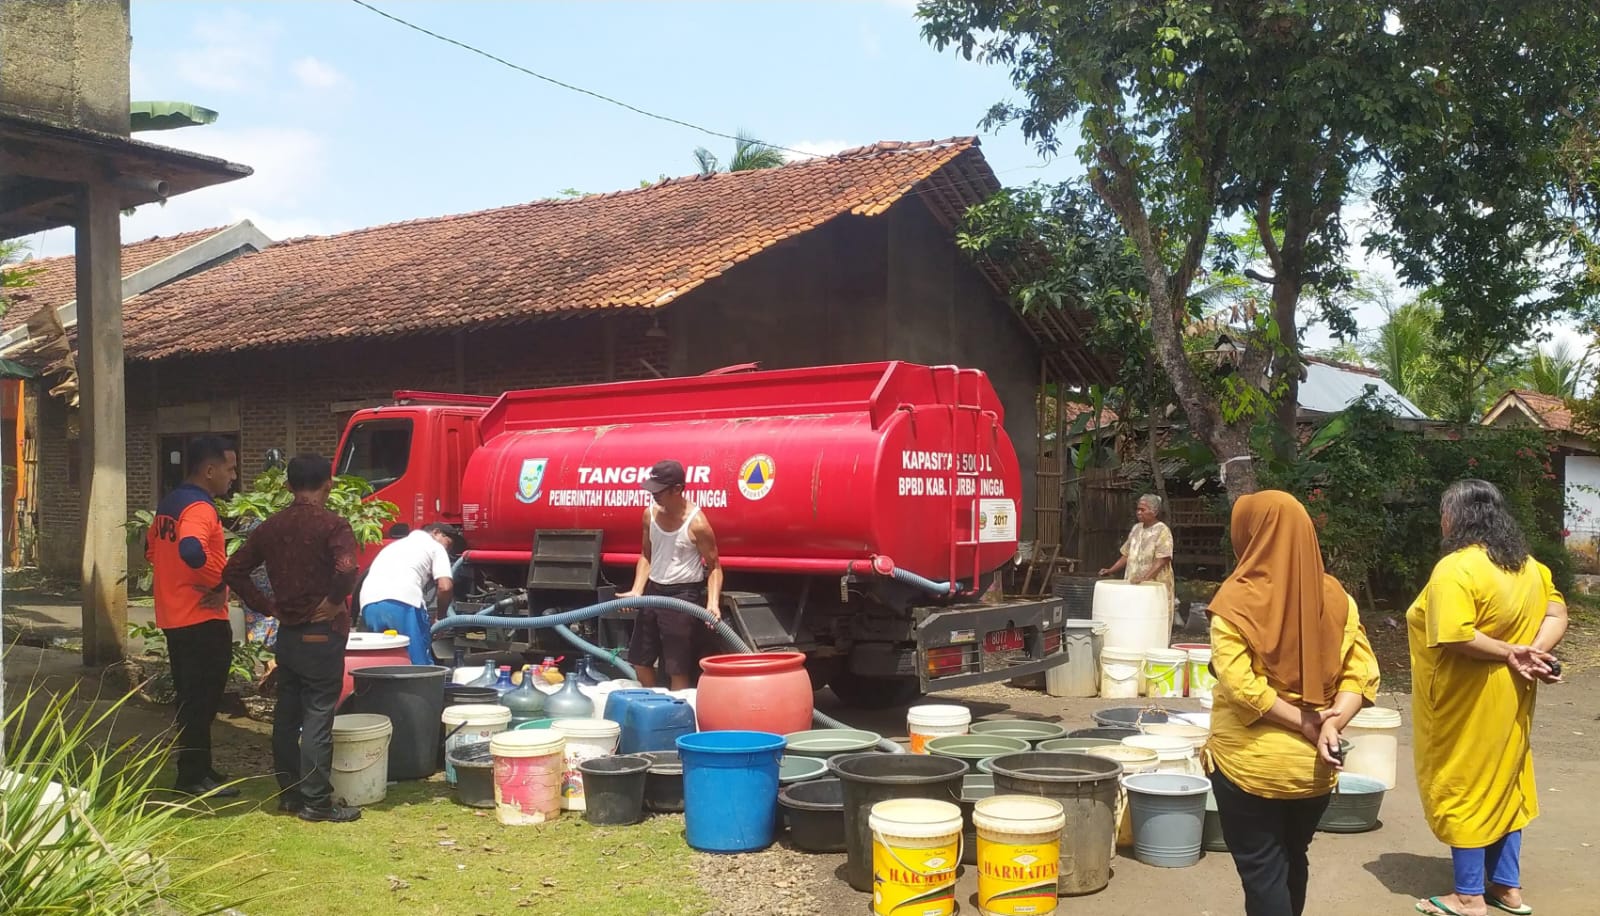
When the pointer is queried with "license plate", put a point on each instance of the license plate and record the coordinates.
(1003, 641)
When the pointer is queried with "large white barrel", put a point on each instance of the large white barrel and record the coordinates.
(1136, 616)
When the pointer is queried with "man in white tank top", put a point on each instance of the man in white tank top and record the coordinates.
(677, 559)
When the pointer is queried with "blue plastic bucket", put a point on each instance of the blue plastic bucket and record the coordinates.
(730, 789)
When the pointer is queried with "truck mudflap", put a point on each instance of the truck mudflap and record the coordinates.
(983, 643)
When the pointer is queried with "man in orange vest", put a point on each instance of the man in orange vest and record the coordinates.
(186, 550)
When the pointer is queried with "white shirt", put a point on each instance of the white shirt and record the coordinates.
(674, 559)
(404, 570)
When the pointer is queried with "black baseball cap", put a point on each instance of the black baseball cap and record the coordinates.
(664, 476)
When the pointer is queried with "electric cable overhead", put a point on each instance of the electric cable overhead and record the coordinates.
(570, 87)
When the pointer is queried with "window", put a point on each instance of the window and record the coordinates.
(377, 451)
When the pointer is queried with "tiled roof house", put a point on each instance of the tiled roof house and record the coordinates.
(836, 259)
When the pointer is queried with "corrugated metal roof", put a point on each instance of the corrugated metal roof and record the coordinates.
(1330, 389)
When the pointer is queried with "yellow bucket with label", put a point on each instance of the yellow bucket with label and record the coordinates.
(1019, 854)
(916, 846)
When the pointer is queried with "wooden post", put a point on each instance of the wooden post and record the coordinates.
(103, 419)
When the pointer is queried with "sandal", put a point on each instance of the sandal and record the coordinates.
(1439, 909)
(1504, 907)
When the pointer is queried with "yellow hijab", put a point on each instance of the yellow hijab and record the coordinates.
(1291, 613)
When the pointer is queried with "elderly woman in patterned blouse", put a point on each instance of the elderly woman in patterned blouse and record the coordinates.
(1147, 553)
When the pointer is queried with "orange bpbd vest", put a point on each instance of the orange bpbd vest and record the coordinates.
(186, 549)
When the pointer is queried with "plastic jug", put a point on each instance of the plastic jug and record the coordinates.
(568, 702)
(525, 703)
(654, 723)
(487, 678)
(502, 683)
(618, 701)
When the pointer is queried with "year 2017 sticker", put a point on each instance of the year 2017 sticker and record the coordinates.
(997, 521)
(756, 476)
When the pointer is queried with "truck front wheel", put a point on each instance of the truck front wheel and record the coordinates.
(863, 692)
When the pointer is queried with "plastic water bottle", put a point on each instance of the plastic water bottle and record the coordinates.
(526, 703)
(502, 684)
(486, 679)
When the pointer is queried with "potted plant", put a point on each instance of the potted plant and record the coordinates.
(150, 672)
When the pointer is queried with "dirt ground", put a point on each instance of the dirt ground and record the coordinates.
(1382, 871)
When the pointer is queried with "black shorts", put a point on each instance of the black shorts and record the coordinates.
(677, 640)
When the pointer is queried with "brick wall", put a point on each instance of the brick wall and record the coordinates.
(285, 398)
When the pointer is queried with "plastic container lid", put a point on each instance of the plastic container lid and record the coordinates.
(476, 714)
(939, 716)
(1200, 655)
(1376, 717)
(587, 728)
(1019, 814)
(374, 642)
(1166, 655)
(915, 818)
(532, 743)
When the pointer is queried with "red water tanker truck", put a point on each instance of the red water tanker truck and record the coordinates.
(860, 511)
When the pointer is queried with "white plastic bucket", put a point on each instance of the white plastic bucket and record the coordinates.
(924, 723)
(1136, 616)
(1079, 675)
(470, 723)
(1175, 755)
(1196, 735)
(1164, 672)
(1120, 668)
(916, 847)
(1133, 760)
(529, 770)
(361, 758)
(1201, 683)
(1374, 736)
(586, 740)
(1019, 854)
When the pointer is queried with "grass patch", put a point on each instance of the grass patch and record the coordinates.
(419, 852)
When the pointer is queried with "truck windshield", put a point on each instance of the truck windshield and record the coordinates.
(377, 451)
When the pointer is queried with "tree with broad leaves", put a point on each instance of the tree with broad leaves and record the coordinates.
(748, 154)
(1469, 125)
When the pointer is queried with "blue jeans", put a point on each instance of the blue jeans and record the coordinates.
(1500, 864)
(408, 621)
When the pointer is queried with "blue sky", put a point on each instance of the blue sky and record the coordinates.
(351, 120)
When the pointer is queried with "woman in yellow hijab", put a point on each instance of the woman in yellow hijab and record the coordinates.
(1481, 635)
(1293, 668)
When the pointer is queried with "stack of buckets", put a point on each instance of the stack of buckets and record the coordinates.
(1136, 658)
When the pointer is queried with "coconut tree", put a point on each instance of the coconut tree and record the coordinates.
(1556, 371)
(748, 154)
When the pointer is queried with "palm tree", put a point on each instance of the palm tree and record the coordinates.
(1557, 371)
(748, 154)
(1403, 352)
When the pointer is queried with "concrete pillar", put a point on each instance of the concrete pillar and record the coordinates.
(103, 420)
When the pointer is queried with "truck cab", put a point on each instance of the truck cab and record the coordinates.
(414, 454)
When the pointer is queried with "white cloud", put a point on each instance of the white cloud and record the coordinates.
(315, 74)
(811, 149)
(232, 52)
(290, 177)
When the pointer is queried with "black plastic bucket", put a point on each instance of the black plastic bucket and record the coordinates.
(462, 695)
(815, 812)
(1129, 717)
(663, 783)
(474, 766)
(1111, 734)
(1086, 787)
(613, 790)
(412, 696)
(872, 778)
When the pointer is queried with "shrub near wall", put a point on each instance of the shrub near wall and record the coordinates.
(1373, 489)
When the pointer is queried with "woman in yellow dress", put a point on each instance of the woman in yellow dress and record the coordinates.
(1481, 634)
(1293, 667)
(1147, 553)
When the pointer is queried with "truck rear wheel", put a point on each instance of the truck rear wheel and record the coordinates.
(863, 692)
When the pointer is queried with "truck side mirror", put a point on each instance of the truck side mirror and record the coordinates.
(399, 530)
